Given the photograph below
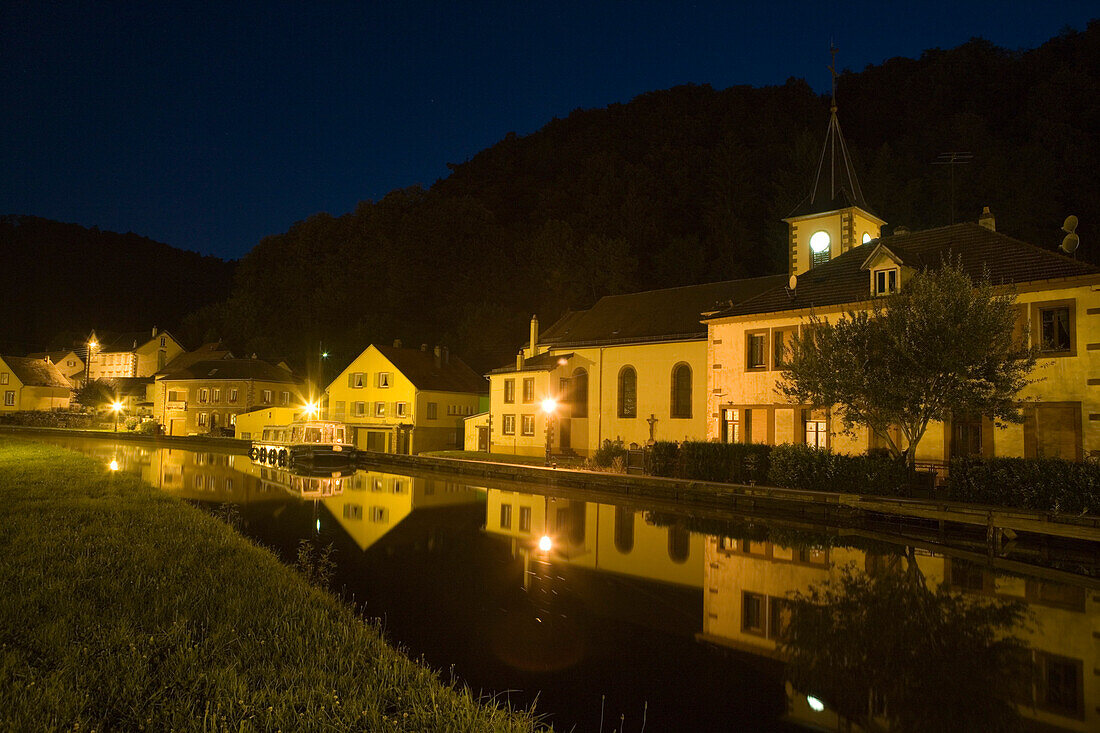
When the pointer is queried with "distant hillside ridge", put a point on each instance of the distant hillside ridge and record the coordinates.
(59, 281)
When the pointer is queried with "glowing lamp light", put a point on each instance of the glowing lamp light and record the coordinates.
(116, 406)
(816, 705)
(114, 465)
(545, 543)
(819, 242)
(311, 408)
(549, 405)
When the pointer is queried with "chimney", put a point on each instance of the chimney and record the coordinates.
(901, 231)
(446, 355)
(397, 343)
(438, 356)
(986, 220)
(534, 334)
(155, 328)
(423, 347)
(519, 360)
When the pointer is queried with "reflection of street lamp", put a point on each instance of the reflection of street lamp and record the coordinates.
(545, 543)
(549, 405)
(117, 407)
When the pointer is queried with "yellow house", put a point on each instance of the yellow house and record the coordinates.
(405, 400)
(206, 396)
(748, 583)
(631, 368)
(839, 263)
(136, 354)
(251, 424)
(32, 384)
(69, 362)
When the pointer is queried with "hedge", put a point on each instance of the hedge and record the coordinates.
(816, 469)
(1045, 484)
(737, 463)
(48, 419)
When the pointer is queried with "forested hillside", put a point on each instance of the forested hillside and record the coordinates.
(59, 281)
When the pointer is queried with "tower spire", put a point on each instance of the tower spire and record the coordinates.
(832, 70)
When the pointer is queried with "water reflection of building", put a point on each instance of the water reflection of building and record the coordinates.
(374, 504)
(603, 537)
(208, 477)
(744, 608)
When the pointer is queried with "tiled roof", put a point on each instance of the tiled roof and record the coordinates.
(125, 342)
(544, 362)
(835, 183)
(980, 251)
(206, 352)
(54, 356)
(420, 368)
(232, 369)
(655, 315)
(36, 372)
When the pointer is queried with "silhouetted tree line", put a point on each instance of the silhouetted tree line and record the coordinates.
(59, 281)
(676, 187)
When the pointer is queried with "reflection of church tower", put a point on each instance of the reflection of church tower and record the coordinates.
(834, 217)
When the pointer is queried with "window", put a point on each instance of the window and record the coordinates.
(509, 391)
(731, 425)
(529, 389)
(753, 608)
(525, 519)
(379, 409)
(681, 391)
(202, 419)
(819, 248)
(216, 395)
(204, 395)
(355, 380)
(384, 379)
(782, 342)
(285, 398)
(966, 436)
(756, 350)
(433, 410)
(579, 396)
(1060, 689)
(358, 409)
(379, 514)
(817, 435)
(528, 424)
(232, 395)
(401, 409)
(266, 394)
(508, 425)
(505, 516)
(866, 238)
(1054, 329)
(628, 392)
(9, 398)
(3, 377)
(679, 543)
(886, 281)
(353, 511)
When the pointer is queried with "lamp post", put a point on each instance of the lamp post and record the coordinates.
(88, 360)
(549, 405)
(116, 407)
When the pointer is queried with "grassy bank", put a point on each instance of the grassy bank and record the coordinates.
(124, 609)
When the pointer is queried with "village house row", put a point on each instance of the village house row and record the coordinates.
(699, 362)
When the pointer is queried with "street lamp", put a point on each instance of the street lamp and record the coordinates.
(549, 405)
(116, 407)
(311, 409)
(88, 360)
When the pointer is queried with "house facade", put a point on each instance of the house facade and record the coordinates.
(136, 354)
(1058, 309)
(400, 400)
(32, 384)
(206, 396)
(632, 368)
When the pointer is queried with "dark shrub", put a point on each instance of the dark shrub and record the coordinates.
(816, 469)
(51, 419)
(664, 456)
(1045, 484)
(608, 452)
(724, 462)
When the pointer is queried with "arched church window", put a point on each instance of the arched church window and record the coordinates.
(681, 391)
(628, 392)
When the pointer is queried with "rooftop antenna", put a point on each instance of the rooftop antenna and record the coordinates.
(1071, 240)
(953, 159)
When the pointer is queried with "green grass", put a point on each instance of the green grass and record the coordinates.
(124, 609)
(471, 455)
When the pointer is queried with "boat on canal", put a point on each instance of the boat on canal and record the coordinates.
(307, 443)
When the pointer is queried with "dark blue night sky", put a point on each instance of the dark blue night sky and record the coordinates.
(211, 125)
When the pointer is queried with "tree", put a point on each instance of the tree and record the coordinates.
(885, 645)
(943, 345)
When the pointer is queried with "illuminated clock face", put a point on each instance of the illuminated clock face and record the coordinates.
(866, 237)
(819, 242)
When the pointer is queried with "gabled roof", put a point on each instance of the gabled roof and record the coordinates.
(978, 250)
(835, 183)
(671, 314)
(54, 356)
(130, 341)
(36, 372)
(239, 369)
(544, 362)
(207, 352)
(420, 368)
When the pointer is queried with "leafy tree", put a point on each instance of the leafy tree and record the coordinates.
(941, 345)
(94, 395)
(886, 646)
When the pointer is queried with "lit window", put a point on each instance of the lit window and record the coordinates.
(232, 395)
(384, 379)
(509, 391)
(204, 395)
(202, 419)
(886, 281)
(816, 433)
(402, 409)
(3, 377)
(355, 380)
(9, 398)
(529, 389)
(215, 395)
(286, 398)
(379, 409)
(731, 425)
(267, 394)
(1054, 324)
(866, 237)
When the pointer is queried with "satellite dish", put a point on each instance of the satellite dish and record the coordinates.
(793, 282)
(1069, 244)
(1070, 225)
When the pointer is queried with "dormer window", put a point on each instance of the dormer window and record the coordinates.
(886, 281)
(819, 248)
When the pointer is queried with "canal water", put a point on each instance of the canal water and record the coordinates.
(631, 617)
